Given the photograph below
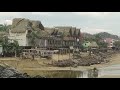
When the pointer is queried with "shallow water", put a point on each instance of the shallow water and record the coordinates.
(110, 70)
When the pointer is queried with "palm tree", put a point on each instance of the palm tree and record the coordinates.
(4, 27)
(5, 44)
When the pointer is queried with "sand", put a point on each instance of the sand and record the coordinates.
(40, 64)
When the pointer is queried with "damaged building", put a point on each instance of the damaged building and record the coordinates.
(32, 33)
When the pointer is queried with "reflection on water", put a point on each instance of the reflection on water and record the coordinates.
(110, 70)
(62, 74)
(92, 73)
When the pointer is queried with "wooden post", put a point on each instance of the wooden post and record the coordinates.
(73, 53)
(69, 54)
(62, 53)
(90, 52)
(58, 54)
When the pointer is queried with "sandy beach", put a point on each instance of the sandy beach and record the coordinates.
(27, 65)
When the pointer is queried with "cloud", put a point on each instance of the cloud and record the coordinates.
(8, 22)
(92, 13)
(42, 13)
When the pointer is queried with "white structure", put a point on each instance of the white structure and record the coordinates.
(110, 42)
(20, 37)
(20, 29)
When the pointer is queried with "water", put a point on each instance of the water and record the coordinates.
(111, 70)
(65, 74)
(60, 74)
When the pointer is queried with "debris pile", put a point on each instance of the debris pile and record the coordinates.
(84, 61)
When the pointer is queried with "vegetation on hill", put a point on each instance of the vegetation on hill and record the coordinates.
(107, 35)
(103, 35)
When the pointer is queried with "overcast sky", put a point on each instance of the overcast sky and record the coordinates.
(91, 22)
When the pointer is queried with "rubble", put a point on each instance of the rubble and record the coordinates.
(84, 61)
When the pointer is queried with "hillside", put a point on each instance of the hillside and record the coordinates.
(87, 35)
(102, 34)
(107, 35)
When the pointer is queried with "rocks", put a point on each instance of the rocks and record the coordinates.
(86, 61)
(63, 63)
(8, 72)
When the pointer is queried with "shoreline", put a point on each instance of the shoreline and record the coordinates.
(82, 68)
(34, 67)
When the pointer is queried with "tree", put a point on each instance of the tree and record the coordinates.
(32, 36)
(117, 44)
(102, 44)
(97, 38)
(5, 44)
(4, 27)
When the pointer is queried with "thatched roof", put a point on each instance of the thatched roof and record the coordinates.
(18, 30)
(42, 34)
(20, 25)
(64, 27)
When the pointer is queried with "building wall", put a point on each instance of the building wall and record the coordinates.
(109, 41)
(20, 37)
(41, 42)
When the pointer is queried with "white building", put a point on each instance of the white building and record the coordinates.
(20, 29)
(21, 37)
(110, 42)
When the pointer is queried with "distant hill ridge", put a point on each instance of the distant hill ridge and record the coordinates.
(102, 34)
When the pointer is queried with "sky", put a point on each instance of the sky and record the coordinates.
(90, 22)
